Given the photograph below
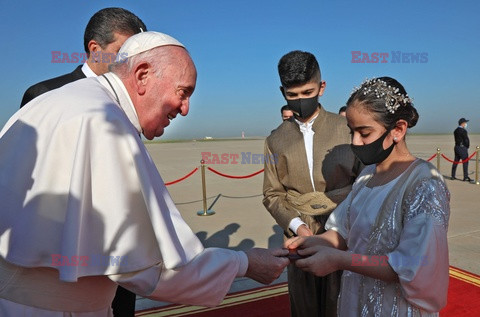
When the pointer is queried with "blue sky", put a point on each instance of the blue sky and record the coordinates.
(236, 46)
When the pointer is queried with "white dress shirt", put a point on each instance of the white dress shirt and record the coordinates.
(306, 129)
(88, 71)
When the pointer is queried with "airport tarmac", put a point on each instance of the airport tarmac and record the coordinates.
(241, 221)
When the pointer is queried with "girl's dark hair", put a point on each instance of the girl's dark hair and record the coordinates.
(375, 95)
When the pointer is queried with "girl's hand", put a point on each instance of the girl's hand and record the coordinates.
(320, 260)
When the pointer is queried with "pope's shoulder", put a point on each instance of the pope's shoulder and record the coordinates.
(83, 97)
(79, 102)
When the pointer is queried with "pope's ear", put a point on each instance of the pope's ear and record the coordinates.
(141, 72)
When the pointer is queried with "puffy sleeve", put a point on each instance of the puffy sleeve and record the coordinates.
(337, 221)
(421, 258)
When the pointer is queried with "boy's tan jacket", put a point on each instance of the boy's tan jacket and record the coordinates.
(334, 170)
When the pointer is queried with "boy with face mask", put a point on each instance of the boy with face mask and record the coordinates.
(313, 173)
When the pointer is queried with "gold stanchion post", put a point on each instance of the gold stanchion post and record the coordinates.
(476, 167)
(438, 159)
(204, 212)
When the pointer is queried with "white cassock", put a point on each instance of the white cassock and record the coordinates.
(83, 207)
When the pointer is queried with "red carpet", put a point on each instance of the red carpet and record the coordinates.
(463, 300)
(463, 294)
(264, 301)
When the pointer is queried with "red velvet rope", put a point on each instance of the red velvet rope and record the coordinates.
(432, 157)
(459, 162)
(260, 171)
(231, 176)
(181, 179)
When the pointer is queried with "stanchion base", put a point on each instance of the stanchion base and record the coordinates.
(205, 213)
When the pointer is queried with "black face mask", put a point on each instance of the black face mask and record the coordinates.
(303, 107)
(373, 153)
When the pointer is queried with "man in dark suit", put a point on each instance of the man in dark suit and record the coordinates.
(50, 84)
(462, 143)
(104, 35)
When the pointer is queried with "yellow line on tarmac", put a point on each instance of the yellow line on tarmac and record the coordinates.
(465, 276)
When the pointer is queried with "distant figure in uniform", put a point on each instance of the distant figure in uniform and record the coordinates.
(462, 143)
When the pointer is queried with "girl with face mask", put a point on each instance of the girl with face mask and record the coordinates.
(390, 234)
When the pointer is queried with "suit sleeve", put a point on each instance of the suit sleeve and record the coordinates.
(466, 139)
(31, 93)
(274, 194)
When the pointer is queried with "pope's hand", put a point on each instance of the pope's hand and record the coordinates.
(264, 265)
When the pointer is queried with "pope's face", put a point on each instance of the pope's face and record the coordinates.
(169, 94)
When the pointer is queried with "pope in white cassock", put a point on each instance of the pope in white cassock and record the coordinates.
(78, 189)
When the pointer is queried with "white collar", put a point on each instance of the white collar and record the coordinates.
(118, 89)
(306, 124)
(88, 71)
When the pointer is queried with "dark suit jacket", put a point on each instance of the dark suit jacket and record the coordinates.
(461, 137)
(50, 84)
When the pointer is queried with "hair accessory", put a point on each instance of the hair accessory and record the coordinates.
(393, 98)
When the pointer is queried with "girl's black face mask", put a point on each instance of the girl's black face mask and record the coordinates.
(373, 153)
(303, 107)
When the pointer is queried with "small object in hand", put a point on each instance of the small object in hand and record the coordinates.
(293, 255)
